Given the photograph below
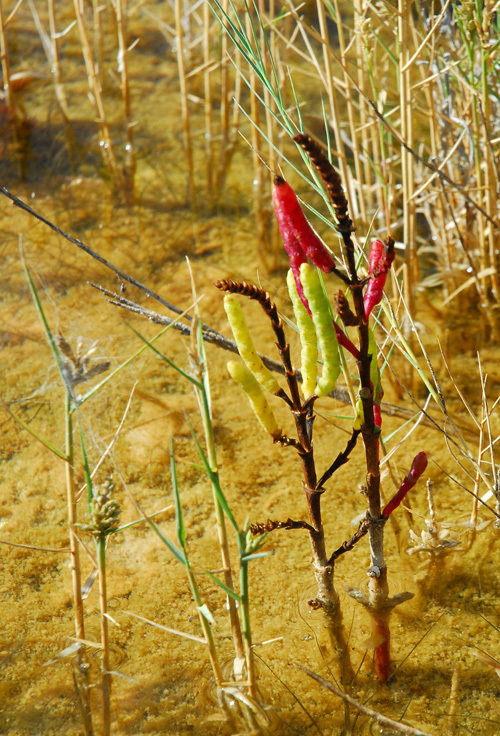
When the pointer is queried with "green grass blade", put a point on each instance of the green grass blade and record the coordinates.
(166, 360)
(179, 554)
(35, 434)
(214, 478)
(179, 516)
(86, 468)
(48, 332)
(256, 556)
(140, 521)
(224, 587)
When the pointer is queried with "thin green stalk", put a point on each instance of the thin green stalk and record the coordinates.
(203, 612)
(203, 393)
(245, 619)
(81, 668)
(103, 603)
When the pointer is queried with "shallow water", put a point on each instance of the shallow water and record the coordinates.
(166, 685)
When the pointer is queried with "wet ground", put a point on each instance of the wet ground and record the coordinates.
(164, 685)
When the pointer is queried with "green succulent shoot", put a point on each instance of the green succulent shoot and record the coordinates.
(325, 331)
(255, 395)
(245, 345)
(308, 341)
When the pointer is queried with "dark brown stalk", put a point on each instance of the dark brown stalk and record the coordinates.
(349, 544)
(327, 598)
(377, 602)
(340, 460)
(344, 310)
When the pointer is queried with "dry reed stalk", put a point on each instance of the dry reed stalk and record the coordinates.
(411, 274)
(4, 51)
(477, 479)
(446, 252)
(371, 129)
(224, 107)
(442, 235)
(239, 646)
(359, 44)
(479, 184)
(382, 185)
(229, 124)
(55, 61)
(207, 73)
(98, 8)
(491, 173)
(387, 724)
(184, 92)
(360, 199)
(330, 86)
(106, 142)
(258, 174)
(453, 701)
(129, 169)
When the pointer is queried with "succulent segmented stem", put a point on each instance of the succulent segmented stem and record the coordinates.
(308, 340)
(245, 345)
(263, 298)
(255, 395)
(325, 330)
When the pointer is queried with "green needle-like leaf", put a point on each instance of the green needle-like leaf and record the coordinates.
(169, 362)
(35, 434)
(179, 517)
(179, 554)
(214, 478)
(225, 587)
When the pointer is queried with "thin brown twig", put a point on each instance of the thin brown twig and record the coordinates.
(377, 717)
(209, 334)
(270, 526)
(32, 546)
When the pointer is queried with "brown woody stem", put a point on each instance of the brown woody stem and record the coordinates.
(303, 414)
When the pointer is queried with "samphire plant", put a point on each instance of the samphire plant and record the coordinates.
(321, 334)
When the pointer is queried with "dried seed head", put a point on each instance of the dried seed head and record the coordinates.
(331, 180)
(344, 310)
(105, 511)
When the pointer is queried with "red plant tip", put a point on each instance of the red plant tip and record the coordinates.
(343, 340)
(381, 259)
(418, 466)
(295, 229)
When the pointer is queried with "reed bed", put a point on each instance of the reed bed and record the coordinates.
(385, 120)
